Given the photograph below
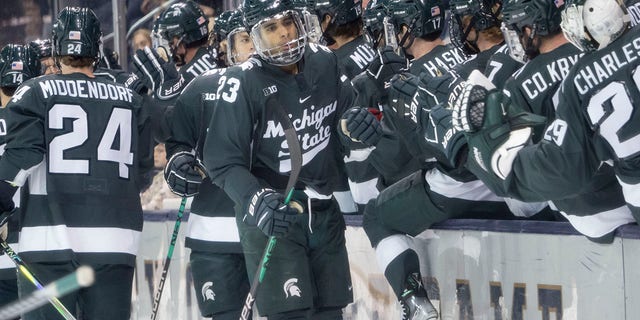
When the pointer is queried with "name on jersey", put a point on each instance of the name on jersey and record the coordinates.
(598, 71)
(85, 89)
(311, 141)
(555, 71)
(446, 60)
(201, 65)
(363, 55)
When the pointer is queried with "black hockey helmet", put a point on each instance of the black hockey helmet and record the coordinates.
(76, 32)
(183, 20)
(18, 64)
(422, 18)
(542, 16)
(341, 11)
(42, 47)
(221, 27)
(484, 14)
(374, 18)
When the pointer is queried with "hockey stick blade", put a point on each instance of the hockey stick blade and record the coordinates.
(295, 154)
(26, 272)
(81, 278)
(167, 261)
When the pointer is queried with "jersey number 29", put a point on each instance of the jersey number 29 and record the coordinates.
(119, 121)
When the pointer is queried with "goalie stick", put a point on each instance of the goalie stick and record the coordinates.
(82, 277)
(176, 228)
(295, 154)
(24, 269)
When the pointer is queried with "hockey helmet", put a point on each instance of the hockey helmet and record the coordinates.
(263, 19)
(18, 64)
(592, 24)
(76, 32)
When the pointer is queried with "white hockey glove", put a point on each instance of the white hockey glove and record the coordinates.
(184, 173)
(267, 211)
(496, 129)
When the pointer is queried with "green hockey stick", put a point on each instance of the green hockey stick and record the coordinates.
(295, 153)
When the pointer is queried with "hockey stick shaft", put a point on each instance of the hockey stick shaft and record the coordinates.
(167, 260)
(82, 277)
(295, 153)
(26, 272)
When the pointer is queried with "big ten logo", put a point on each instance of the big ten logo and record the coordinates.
(549, 299)
(270, 90)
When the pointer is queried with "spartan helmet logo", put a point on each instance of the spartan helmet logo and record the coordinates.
(291, 288)
(207, 292)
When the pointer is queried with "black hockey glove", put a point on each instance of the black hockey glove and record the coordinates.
(440, 134)
(136, 84)
(404, 100)
(496, 129)
(184, 174)
(382, 69)
(7, 206)
(361, 125)
(267, 211)
(152, 70)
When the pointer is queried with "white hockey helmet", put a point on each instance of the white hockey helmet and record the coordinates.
(592, 24)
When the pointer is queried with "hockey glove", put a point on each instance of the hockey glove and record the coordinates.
(152, 70)
(7, 206)
(440, 134)
(136, 84)
(496, 129)
(184, 174)
(361, 125)
(268, 212)
(382, 69)
(405, 100)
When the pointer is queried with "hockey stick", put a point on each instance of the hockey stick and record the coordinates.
(167, 260)
(24, 269)
(82, 277)
(176, 228)
(295, 154)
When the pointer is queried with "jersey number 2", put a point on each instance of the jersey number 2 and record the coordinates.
(120, 121)
(612, 108)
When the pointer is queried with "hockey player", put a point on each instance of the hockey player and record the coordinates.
(550, 57)
(216, 259)
(246, 154)
(17, 64)
(182, 34)
(83, 144)
(594, 113)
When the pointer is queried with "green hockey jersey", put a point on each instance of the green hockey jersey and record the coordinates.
(84, 145)
(245, 147)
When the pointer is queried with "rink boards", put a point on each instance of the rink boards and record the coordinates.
(473, 269)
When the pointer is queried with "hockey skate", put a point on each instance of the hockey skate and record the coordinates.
(414, 301)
